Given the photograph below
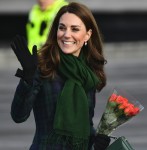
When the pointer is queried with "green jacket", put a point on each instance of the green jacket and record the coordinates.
(39, 23)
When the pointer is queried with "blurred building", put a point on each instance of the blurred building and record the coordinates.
(119, 20)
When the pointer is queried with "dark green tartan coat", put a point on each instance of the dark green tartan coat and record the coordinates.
(41, 97)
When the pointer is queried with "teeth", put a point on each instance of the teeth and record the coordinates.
(69, 42)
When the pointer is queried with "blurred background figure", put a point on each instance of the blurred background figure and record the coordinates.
(40, 18)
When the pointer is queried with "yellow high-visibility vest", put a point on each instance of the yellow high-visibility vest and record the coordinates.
(39, 22)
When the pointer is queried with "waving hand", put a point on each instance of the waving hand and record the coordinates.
(27, 60)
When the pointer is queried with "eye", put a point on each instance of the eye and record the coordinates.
(62, 28)
(75, 29)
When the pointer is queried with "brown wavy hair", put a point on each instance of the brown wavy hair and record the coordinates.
(49, 57)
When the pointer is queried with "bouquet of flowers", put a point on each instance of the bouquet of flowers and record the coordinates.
(119, 109)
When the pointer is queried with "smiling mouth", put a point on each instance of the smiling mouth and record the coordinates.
(68, 42)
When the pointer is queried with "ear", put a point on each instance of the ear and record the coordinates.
(88, 35)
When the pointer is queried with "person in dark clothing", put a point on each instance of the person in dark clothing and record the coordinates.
(59, 82)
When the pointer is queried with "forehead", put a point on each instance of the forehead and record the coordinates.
(70, 19)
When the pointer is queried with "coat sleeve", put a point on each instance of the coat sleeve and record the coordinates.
(92, 101)
(23, 100)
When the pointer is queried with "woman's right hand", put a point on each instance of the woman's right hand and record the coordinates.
(27, 60)
(101, 142)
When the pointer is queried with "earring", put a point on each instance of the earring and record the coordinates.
(85, 43)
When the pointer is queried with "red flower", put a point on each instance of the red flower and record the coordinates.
(121, 100)
(113, 97)
(131, 111)
(123, 105)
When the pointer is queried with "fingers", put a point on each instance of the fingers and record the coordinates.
(34, 50)
(34, 53)
(18, 43)
(14, 47)
(25, 45)
(19, 46)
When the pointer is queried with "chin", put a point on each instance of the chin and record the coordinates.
(66, 52)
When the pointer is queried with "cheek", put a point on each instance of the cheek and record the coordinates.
(59, 35)
(81, 38)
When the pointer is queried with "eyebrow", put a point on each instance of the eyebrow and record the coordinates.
(71, 26)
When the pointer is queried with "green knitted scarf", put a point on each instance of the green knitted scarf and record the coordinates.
(72, 111)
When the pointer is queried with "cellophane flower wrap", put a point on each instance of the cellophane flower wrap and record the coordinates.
(120, 108)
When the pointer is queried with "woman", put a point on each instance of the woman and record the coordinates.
(60, 87)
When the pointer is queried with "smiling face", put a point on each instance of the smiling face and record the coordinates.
(71, 34)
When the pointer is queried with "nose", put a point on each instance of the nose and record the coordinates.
(67, 33)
